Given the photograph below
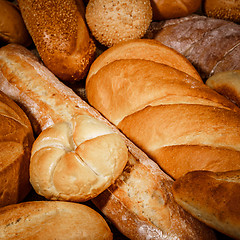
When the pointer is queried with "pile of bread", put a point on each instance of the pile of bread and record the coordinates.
(119, 119)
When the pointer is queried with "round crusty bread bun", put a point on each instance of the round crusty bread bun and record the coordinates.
(12, 26)
(52, 220)
(77, 160)
(61, 36)
(112, 22)
(16, 138)
(223, 9)
(164, 9)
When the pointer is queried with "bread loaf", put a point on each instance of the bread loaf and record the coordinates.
(228, 84)
(112, 22)
(140, 203)
(52, 220)
(211, 45)
(61, 36)
(163, 9)
(188, 126)
(12, 27)
(16, 138)
(212, 198)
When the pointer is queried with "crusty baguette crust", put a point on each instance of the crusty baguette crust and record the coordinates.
(61, 36)
(213, 198)
(48, 101)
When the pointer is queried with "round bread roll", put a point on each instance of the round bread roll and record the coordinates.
(112, 22)
(77, 160)
(12, 27)
(164, 9)
(52, 220)
(223, 9)
(16, 138)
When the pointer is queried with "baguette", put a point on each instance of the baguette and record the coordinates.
(52, 220)
(61, 36)
(188, 126)
(211, 45)
(213, 198)
(140, 203)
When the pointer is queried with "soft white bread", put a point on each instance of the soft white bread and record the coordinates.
(228, 84)
(16, 138)
(112, 22)
(212, 198)
(12, 26)
(188, 126)
(76, 160)
(164, 9)
(137, 201)
(144, 49)
(52, 220)
(61, 36)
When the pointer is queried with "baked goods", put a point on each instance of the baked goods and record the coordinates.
(188, 126)
(16, 138)
(164, 9)
(144, 49)
(212, 198)
(223, 9)
(143, 188)
(211, 45)
(76, 160)
(52, 220)
(112, 22)
(227, 84)
(12, 27)
(61, 36)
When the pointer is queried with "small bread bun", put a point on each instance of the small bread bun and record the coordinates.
(16, 138)
(115, 21)
(223, 9)
(227, 84)
(52, 220)
(12, 27)
(164, 9)
(77, 160)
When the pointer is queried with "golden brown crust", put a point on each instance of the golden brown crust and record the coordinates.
(52, 220)
(212, 198)
(227, 10)
(149, 100)
(16, 138)
(61, 36)
(163, 9)
(112, 22)
(12, 26)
